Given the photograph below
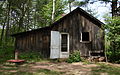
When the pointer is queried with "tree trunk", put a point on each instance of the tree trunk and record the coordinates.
(7, 27)
(69, 6)
(28, 21)
(35, 20)
(21, 19)
(114, 7)
(2, 34)
(53, 12)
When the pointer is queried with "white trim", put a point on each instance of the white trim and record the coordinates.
(81, 37)
(67, 46)
(85, 41)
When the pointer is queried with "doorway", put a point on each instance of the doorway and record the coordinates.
(64, 53)
(59, 47)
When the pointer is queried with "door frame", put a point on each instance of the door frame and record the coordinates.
(68, 44)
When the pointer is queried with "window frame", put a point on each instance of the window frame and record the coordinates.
(85, 41)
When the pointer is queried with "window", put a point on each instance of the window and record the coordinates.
(85, 36)
(64, 42)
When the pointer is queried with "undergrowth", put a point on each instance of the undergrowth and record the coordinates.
(104, 68)
(6, 53)
(31, 56)
(74, 57)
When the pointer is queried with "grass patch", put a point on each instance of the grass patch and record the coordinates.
(22, 73)
(86, 62)
(9, 65)
(49, 72)
(103, 68)
(16, 73)
(7, 71)
(9, 68)
(1, 73)
(38, 72)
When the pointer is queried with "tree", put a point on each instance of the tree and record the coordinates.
(114, 4)
(83, 3)
(22, 15)
(38, 14)
(13, 16)
(2, 22)
(113, 35)
(69, 2)
(46, 12)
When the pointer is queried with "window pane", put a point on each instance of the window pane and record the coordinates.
(85, 36)
(64, 43)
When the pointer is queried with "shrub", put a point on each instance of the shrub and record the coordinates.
(6, 53)
(74, 57)
(113, 57)
(30, 56)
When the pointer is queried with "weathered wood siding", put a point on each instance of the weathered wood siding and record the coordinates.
(76, 23)
(34, 41)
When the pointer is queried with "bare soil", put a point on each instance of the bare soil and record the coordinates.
(79, 68)
(67, 68)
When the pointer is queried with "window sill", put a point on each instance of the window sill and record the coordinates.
(85, 41)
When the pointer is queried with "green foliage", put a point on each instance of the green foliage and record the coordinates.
(46, 12)
(113, 38)
(103, 68)
(30, 56)
(74, 57)
(113, 57)
(113, 28)
(6, 53)
(23, 15)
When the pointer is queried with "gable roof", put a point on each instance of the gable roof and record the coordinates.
(77, 10)
(83, 13)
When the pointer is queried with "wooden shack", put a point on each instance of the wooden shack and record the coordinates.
(77, 30)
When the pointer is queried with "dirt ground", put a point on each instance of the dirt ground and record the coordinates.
(67, 68)
(79, 68)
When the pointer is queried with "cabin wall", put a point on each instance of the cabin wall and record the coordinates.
(34, 41)
(75, 24)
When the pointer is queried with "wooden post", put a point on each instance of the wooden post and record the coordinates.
(16, 55)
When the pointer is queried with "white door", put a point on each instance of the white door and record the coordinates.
(55, 45)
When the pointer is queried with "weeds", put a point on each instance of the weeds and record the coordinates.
(74, 57)
(49, 72)
(103, 68)
(31, 56)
